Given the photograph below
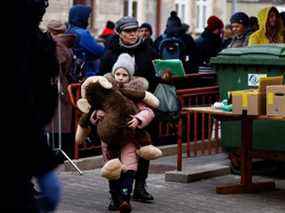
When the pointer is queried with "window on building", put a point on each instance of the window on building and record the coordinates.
(203, 11)
(180, 7)
(130, 8)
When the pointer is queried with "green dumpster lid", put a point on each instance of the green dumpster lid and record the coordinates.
(269, 54)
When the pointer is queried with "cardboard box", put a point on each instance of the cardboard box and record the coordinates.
(250, 100)
(268, 81)
(275, 100)
(254, 100)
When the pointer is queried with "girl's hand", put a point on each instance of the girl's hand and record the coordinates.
(134, 122)
(100, 114)
(97, 116)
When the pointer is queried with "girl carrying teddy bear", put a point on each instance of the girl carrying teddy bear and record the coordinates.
(121, 188)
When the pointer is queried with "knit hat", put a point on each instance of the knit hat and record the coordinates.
(125, 61)
(214, 23)
(241, 18)
(174, 23)
(127, 22)
(56, 26)
(147, 26)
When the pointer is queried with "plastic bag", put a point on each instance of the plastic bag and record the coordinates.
(167, 98)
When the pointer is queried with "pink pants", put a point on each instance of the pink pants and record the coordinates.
(128, 155)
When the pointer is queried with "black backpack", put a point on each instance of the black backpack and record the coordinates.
(77, 70)
(171, 47)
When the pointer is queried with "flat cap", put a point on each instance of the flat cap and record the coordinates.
(127, 22)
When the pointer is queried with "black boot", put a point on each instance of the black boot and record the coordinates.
(127, 180)
(140, 193)
(115, 202)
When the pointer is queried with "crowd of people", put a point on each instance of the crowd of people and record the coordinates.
(70, 53)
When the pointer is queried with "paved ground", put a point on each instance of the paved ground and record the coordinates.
(89, 193)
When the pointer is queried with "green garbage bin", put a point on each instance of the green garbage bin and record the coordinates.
(239, 68)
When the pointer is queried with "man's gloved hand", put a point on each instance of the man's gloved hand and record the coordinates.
(50, 189)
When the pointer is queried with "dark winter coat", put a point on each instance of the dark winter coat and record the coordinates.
(32, 101)
(86, 47)
(143, 54)
(240, 41)
(208, 45)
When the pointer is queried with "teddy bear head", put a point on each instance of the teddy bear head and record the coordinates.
(95, 86)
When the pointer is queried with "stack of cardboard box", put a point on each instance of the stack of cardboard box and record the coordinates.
(268, 98)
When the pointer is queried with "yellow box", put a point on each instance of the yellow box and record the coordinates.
(275, 100)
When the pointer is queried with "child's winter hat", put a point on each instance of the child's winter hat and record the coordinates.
(125, 61)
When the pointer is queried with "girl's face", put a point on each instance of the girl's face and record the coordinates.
(122, 75)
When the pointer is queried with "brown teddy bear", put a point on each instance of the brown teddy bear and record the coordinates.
(117, 102)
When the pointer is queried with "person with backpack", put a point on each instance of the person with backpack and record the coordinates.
(86, 50)
(210, 42)
(175, 43)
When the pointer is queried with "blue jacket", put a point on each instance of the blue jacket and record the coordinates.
(86, 47)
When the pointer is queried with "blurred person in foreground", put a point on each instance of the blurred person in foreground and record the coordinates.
(33, 93)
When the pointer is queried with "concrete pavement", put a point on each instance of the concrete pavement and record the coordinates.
(89, 192)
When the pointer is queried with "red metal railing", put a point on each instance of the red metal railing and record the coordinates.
(187, 97)
(201, 133)
(74, 93)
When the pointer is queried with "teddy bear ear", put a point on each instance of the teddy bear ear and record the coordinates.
(105, 83)
(151, 100)
(89, 80)
(83, 105)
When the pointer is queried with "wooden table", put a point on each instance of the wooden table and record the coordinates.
(246, 185)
